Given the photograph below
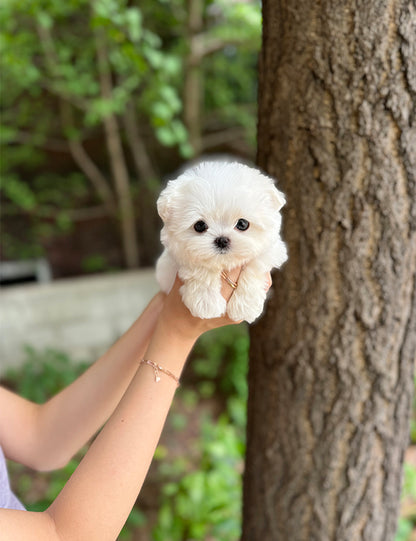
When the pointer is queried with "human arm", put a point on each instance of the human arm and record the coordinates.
(96, 501)
(45, 436)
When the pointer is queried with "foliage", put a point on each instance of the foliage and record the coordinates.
(51, 46)
(232, 92)
(204, 503)
(68, 67)
(71, 71)
(44, 374)
(95, 263)
(220, 359)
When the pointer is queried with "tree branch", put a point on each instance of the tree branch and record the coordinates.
(92, 172)
(54, 145)
(79, 214)
(117, 159)
(219, 138)
(144, 167)
(52, 60)
(77, 151)
(205, 45)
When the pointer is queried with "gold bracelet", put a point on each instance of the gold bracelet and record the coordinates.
(230, 282)
(157, 368)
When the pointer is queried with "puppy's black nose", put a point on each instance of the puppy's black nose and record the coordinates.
(222, 242)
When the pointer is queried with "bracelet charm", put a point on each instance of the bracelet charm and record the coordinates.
(157, 369)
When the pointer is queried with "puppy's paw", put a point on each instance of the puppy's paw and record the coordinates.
(203, 303)
(166, 270)
(245, 306)
(239, 310)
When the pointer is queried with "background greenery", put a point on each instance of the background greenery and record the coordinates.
(100, 100)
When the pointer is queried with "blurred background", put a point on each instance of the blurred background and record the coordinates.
(102, 101)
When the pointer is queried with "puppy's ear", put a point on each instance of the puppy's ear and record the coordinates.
(164, 201)
(278, 198)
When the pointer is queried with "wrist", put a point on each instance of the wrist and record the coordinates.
(178, 331)
(169, 347)
(181, 326)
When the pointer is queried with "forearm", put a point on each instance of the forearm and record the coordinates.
(68, 420)
(105, 486)
(97, 499)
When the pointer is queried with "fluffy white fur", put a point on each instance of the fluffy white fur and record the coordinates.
(219, 194)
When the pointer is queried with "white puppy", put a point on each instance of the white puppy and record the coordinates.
(218, 216)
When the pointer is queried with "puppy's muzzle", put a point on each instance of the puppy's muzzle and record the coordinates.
(222, 243)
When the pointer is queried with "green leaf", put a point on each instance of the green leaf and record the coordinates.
(165, 135)
(44, 19)
(19, 192)
(134, 23)
(161, 111)
(63, 221)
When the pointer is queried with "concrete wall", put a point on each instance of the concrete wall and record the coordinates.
(81, 316)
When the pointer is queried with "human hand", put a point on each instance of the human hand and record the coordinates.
(175, 314)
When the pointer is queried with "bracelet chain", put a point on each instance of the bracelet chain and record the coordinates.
(157, 369)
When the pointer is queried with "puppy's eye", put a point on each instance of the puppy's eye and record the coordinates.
(242, 224)
(200, 226)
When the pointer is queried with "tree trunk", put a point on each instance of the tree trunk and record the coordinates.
(331, 368)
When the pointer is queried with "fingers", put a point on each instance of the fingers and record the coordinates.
(229, 284)
(229, 281)
(268, 281)
(227, 287)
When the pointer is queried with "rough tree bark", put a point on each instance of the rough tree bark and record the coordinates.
(330, 380)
